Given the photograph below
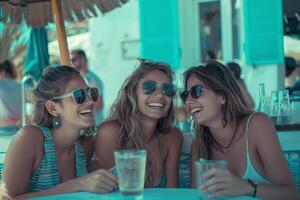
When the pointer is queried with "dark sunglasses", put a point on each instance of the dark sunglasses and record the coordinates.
(150, 62)
(195, 92)
(168, 89)
(79, 95)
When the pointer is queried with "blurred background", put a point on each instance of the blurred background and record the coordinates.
(257, 34)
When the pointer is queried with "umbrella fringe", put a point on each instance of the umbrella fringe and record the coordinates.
(37, 13)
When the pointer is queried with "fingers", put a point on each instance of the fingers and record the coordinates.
(217, 182)
(213, 172)
(100, 181)
(108, 178)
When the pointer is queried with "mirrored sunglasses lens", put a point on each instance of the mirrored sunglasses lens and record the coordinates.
(94, 93)
(184, 96)
(168, 89)
(79, 96)
(149, 87)
(196, 91)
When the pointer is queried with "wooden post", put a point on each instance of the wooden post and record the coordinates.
(61, 32)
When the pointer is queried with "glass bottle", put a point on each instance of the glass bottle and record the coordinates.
(28, 84)
(262, 106)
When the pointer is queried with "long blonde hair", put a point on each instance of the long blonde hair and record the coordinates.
(125, 110)
(218, 78)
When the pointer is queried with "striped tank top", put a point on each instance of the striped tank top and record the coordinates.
(46, 175)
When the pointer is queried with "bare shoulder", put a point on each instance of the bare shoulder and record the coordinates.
(261, 125)
(109, 128)
(28, 136)
(108, 132)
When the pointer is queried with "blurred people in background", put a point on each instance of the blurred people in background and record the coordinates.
(236, 70)
(290, 67)
(80, 62)
(142, 117)
(50, 157)
(10, 96)
(226, 129)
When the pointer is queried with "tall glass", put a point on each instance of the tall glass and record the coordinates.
(274, 106)
(203, 166)
(131, 166)
(284, 109)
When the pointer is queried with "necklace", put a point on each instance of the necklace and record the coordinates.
(222, 148)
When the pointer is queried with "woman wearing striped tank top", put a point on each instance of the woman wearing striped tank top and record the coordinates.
(50, 157)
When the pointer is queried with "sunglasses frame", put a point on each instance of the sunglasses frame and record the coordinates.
(164, 91)
(86, 92)
(146, 61)
(185, 94)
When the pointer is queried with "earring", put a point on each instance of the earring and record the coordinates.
(56, 122)
(224, 120)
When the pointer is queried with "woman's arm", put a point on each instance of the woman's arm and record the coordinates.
(100, 181)
(24, 156)
(274, 162)
(175, 140)
(107, 141)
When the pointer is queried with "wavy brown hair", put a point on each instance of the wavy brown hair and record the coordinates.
(125, 110)
(218, 78)
(53, 83)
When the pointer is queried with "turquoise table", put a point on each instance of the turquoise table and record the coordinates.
(149, 194)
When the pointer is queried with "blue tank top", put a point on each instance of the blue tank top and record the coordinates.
(251, 173)
(46, 175)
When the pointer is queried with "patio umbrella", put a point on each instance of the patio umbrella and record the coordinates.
(38, 13)
(37, 57)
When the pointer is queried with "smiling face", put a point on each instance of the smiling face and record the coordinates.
(77, 115)
(205, 110)
(155, 105)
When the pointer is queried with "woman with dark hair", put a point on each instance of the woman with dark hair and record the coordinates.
(142, 117)
(50, 157)
(226, 129)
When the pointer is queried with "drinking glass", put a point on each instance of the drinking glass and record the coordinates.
(131, 166)
(274, 106)
(284, 109)
(203, 166)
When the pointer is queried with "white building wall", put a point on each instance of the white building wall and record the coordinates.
(107, 34)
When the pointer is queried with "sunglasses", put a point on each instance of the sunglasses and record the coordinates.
(168, 89)
(79, 95)
(195, 92)
(150, 62)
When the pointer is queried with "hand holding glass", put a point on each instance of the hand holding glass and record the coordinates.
(202, 166)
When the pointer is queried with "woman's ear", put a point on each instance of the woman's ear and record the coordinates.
(51, 107)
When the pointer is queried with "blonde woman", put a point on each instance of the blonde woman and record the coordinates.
(142, 118)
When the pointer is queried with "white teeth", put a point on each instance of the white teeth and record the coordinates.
(155, 104)
(87, 111)
(195, 110)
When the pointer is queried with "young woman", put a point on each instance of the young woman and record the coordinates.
(142, 118)
(227, 130)
(50, 157)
